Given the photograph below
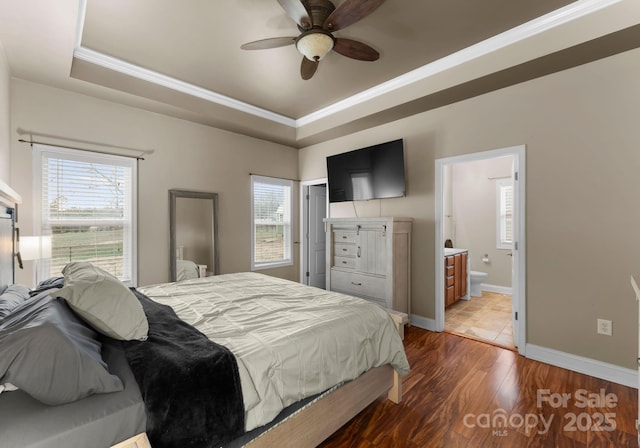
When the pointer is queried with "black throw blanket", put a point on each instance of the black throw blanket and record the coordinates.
(190, 385)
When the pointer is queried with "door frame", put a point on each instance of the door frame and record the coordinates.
(304, 224)
(519, 254)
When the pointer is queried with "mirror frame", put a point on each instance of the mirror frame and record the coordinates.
(173, 196)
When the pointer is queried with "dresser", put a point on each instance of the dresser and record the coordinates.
(371, 258)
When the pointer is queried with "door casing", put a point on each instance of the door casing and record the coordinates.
(519, 251)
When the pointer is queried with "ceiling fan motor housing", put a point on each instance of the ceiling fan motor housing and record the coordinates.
(319, 10)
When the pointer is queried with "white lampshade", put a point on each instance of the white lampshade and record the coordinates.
(35, 247)
(315, 45)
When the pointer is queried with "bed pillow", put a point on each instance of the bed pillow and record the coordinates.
(104, 302)
(49, 353)
(12, 296)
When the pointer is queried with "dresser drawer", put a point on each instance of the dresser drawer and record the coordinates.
(345, 236)
(344, 262)
(449, 271)
(357, 284)
(345, 250)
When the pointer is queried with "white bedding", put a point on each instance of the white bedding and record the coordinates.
(290, 340)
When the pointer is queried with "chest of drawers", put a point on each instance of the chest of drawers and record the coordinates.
(370, 258)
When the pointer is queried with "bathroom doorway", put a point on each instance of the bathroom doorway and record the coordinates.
(480, 218)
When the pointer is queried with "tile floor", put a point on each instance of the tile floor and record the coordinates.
(486, 318)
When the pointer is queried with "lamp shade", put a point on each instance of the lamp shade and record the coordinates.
(315, 44)
(35, 247)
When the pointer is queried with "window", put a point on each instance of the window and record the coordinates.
(504, 218)
(271, 211)
(88, 206)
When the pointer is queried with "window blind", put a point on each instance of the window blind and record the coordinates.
(271, 222)
(505, 214)
(87, 206)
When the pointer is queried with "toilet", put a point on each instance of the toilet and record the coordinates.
(476, 278)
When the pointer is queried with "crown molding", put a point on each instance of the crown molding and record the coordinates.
(127, 68)
(539, 25)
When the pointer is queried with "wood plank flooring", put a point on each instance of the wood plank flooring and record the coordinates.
(459, 388)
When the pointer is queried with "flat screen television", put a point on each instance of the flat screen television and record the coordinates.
(373, 172)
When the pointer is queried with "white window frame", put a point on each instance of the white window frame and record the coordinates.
(40, 150)
(501, 242)
(288, 226)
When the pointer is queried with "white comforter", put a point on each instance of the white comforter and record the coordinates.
(290, 340)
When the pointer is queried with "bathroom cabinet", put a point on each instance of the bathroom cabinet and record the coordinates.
(371, 258)
(455, 277)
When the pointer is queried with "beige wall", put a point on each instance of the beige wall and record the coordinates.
(187, 156)
(5, 119)
(581, 134)
(474, 216)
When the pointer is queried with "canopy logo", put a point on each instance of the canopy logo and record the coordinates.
(500, 422)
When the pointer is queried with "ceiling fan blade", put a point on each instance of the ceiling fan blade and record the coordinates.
(273, 42)
(298, 11)
(349, 12)
(308, 68)
(355, 50)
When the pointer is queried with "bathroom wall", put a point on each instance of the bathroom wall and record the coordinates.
(474, 210)
(448, 223)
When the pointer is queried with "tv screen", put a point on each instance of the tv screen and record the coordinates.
(373, 172)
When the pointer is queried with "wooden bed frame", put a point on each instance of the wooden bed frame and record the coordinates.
(317, 421)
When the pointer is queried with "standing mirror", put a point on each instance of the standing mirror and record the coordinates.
(194, 234)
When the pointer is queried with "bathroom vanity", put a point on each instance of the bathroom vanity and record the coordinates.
(456, 275)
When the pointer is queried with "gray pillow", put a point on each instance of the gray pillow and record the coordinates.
(104, 302)
(46, 351)
(12, 296)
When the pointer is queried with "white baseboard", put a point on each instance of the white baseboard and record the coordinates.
(587, 366)
(496, 288)
(423, 322)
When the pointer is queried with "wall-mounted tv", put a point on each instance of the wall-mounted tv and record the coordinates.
(373, 172)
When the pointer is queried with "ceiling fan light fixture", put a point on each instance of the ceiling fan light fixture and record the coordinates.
(315, 44)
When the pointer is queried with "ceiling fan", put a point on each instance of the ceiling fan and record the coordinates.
(317, 20)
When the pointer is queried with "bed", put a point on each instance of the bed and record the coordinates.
(293, 394)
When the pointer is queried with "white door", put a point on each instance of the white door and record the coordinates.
(316, 238)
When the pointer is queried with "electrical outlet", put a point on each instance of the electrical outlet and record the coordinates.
(605, 327)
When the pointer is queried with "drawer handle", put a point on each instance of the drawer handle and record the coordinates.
(344, 250)
(344, 262)
(359, 252)
(356, 284)
(344, 237)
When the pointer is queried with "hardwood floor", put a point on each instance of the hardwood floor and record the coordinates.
(457, 389)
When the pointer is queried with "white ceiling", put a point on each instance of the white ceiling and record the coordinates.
(184, 58)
